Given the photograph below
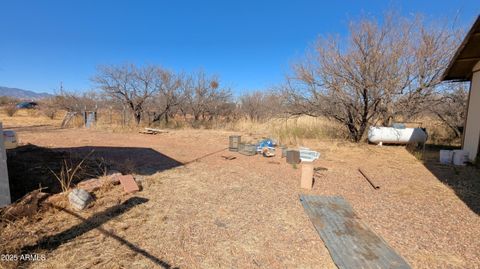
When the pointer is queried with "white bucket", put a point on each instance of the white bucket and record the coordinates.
(446, 156)
(460, 157)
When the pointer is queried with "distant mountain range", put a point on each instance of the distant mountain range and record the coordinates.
(22, 94)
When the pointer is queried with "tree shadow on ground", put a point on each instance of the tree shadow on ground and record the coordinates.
(140, 161)
(463, 180)
(31, 167)
(50, 243)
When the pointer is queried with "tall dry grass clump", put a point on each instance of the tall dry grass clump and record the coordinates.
(291, 131)
(438, 132)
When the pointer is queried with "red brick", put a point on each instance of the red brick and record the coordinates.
(128, 183)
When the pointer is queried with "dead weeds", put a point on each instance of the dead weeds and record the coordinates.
(245, 213)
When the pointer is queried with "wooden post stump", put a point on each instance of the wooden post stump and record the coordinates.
(306, 181)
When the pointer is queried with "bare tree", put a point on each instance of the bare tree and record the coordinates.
(260, 105)
(71, 101)
(204, 98)
(451, 107)
(218, 103)
(171, 94)
(428, 53)
(252, 105)
(132, 85)
(381, 71)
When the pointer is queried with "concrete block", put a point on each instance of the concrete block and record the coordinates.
(79, 199)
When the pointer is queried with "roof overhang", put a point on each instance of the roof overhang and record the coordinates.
(467, 55)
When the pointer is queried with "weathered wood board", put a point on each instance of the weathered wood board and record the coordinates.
(153, 131)
(350, 242)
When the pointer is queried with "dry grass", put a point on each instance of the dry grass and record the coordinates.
(294, 131)
(288, 131)
(28, 117)
(10, 110)
(68, 172)
(291, 131)
(245, 213)
(438, 133)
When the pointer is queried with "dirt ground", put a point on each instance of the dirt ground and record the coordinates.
(245, 213)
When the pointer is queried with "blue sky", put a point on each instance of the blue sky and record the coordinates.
(249, 44)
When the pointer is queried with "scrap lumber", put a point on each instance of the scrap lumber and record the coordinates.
(66, 119)
(369, 179)
(350, 242)
(158, 131)
(153, 131)
(147, 132)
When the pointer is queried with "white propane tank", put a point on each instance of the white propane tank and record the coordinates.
(460, 157)
(390, 135)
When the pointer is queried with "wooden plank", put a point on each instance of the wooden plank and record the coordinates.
(153, 130)
(350, 242)
(147, 132)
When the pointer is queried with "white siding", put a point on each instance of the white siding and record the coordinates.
(472, 126)
(4, 184)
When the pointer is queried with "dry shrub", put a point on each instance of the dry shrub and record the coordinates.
(10, 110)
(68, 172)
(438, 132)
(6, 100)
(50, 112)
(33, 112)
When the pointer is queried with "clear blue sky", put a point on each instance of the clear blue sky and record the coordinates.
(249, 44)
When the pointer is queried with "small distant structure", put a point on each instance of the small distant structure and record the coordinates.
(465, 66)
(27, 105)
(89, 118)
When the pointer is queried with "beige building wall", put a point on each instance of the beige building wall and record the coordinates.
(472, 126)
(4, 183)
